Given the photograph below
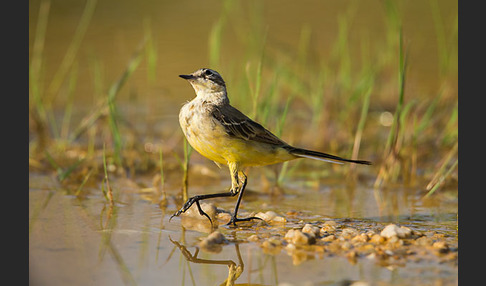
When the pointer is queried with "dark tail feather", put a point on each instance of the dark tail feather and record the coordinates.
(323, 156)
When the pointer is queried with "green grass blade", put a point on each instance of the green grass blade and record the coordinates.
(104, 107)
(36, 62)
(72, 50)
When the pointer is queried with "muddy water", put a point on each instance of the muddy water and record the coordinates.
(81, 240)
(84, 241)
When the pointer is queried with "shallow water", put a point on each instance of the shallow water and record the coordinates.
(81, 242)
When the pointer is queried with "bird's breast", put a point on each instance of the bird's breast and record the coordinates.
(202, 131)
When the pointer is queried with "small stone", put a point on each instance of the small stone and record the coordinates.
(360, 238)
(213, 242)
(349, 233)
(253, 238)
(279, 219)
(371, 256)
(290, 234)
(370, 233)
(290, 247)
(441, 246)
(438, 235)
(226, 217)
(393, 239)
(331, 223)
(366, 248)
(297, 237)
(328, 238)
(275, 240)
(377, 239)
(328, 227)
(208, 208)
(388, 252)
(334, 246)
(395, 242)
(418, 233)
(405, 232)
(271, 216)
(451, 256)
(311, 229)
(346, 245)
(424, 241)
(359, 283)
(393, 230)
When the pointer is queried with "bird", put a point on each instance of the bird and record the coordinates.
(223, 134)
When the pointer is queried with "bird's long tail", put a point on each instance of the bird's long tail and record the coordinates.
(322, 156)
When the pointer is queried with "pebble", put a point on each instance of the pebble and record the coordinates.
(441, 246)
(208, 208)
(298, 237)
(214, 242)
(328, 227)
(391, 246)
(360, 238)
(346, 245)
(349, 233)
(377, 239)
(224, 216)
(328, 238)
(359, 283)
(424, 241)
(370, 233)
(331, 223)
(271, 216)
(366, 248)
(393, 230)
(310, 229)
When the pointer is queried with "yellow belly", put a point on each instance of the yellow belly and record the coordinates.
(209, 138)
(224, 149)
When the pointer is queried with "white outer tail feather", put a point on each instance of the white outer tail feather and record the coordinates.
(319, 158)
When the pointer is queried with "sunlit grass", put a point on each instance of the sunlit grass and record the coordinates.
(108, 192)
(389, 169)
(448, 164)
(37, 110)
(162, 178)
(150, 51)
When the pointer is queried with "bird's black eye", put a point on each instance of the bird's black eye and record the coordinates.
(208, 72)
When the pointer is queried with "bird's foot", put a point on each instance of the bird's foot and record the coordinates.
(234, 220)
(188, 204)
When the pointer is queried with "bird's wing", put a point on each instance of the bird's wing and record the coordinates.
(241, 126)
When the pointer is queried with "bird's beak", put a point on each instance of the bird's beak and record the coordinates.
(186, 76)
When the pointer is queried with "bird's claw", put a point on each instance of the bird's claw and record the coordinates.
(187, 205)
(234, 220)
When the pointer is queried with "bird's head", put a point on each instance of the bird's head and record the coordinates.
(205, 80)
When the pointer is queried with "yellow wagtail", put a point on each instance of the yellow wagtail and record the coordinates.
(223, 134)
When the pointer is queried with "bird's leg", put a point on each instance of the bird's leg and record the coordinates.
(233, 191)
(236, 188)
(234, 219)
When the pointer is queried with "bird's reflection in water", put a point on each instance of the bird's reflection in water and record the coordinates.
(234, 269)
(212, 243)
